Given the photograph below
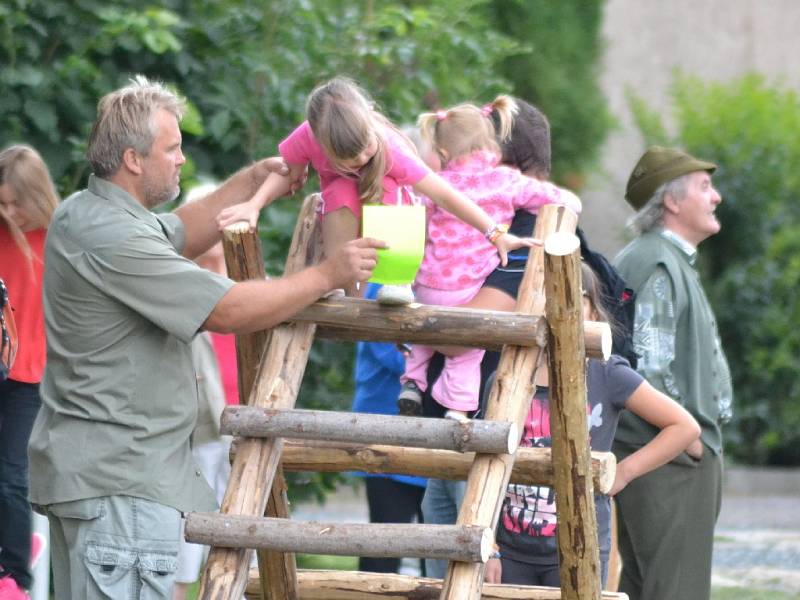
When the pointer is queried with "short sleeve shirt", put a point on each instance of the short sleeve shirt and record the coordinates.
(404, 167)
(527, 527)
(119, 393)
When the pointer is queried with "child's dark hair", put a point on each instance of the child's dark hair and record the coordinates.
(528, 146)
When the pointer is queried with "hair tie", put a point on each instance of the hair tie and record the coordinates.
(486, 110)
(441, 115)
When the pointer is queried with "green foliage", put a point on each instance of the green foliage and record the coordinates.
(752, 131)
(246, 69)
(556, 70)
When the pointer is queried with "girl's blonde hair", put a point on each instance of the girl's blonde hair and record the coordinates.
(465, 128)
(344, 122)
(25, 173)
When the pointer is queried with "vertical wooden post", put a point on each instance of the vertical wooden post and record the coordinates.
(257, 464)
(245, 260)
(509, 400)
(578, 551)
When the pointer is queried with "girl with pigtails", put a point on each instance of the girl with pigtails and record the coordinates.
(360, 156)
(457, 259)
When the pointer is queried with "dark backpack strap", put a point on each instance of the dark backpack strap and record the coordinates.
(619, 300)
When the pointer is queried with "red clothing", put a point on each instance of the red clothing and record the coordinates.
(225, 349)
(23, 279)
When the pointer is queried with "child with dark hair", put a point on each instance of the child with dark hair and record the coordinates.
(527, 527)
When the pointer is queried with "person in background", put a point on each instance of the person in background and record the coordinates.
(27, 202)
(391, 498)
(214, 360)
(666, 519)
(526, 531)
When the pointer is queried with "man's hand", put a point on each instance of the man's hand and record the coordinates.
(353, 262)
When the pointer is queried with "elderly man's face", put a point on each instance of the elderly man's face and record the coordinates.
(162, 165)
(696, 213)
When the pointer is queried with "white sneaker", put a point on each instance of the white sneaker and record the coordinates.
(456, 415)
(395, 295)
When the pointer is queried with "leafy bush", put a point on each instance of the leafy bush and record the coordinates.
(751, 268)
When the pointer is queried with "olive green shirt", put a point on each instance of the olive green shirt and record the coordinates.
(119, 393)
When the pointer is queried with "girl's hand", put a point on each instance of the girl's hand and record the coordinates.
(621, 479)
(245, 211)
(695, 449)
(494, 571)
(508, 242)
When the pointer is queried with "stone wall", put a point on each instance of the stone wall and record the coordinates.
(646, 40)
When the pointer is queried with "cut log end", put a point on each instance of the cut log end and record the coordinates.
(513, 438)
(561, 243)
(487, 544)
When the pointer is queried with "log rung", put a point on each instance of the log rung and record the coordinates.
(464, 543)
(346, 585)
(488, 437)
(532, 466)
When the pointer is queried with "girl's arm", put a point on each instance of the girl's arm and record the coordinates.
(274, 186)
(678, 431)
(455, 202)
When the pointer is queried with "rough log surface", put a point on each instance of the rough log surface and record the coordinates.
(449, 542)
(257, 462)
(354, 319)
(365, 428)
(244, 260)
(578, 550)
(354, 585)
(532, 466)
(508, 400)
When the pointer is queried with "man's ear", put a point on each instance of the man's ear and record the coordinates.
(132, 161)
(671, 204)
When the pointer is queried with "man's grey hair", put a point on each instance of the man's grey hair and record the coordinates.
(126, 119)
(651, 215)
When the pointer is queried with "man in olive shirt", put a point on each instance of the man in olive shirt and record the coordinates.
(666, 518)
(110, 459)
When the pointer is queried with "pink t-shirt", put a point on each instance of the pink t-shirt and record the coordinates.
(338, 190)
(225, 349)
(458, 256)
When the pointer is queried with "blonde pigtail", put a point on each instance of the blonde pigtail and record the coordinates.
(506, 108)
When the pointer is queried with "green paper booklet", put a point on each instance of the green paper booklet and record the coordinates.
(403, 228)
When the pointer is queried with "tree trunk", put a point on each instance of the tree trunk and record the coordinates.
(396, 540)
(578, 551)
(532, 466)
(257, 461)
(366, 428)
(348, 585)
(509, 400)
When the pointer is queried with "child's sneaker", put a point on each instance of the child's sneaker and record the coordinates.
(456, 415)
(409, 402)
(9, 590)
(395, 295)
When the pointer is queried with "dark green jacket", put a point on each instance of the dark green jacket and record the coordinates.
(693, 371)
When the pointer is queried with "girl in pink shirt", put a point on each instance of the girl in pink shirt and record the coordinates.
(458, 259)
(360, 156)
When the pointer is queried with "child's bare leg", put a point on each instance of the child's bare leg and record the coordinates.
(487, 298)
(339, 227)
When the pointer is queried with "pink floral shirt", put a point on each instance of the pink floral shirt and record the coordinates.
(458, 256)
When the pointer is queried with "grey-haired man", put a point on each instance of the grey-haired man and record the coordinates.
(666, 518)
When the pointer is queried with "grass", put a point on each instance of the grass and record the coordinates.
(741, 593)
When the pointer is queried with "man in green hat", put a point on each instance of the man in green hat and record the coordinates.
(666, 518)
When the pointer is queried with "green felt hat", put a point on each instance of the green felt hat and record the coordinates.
(657, 166)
